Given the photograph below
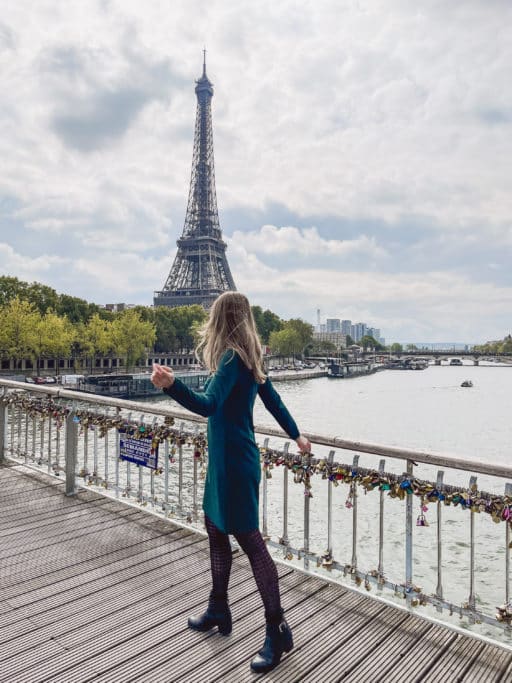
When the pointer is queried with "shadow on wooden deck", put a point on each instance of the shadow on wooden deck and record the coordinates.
(94, 590)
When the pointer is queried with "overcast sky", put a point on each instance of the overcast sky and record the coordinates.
(363, 153)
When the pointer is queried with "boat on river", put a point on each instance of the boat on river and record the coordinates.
(136, 385)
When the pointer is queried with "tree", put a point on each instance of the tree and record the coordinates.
(506, 345)
(411, 347)
(286, 342)
(266, 323)
(75, 309)
(95, 337)
(396, 348)
(132, 336)
(319, 347)
(19, 320)
(54, 337)
(303, 329)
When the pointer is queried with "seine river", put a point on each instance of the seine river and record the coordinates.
(424, 410)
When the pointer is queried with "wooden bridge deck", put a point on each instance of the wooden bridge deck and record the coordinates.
(94, 590)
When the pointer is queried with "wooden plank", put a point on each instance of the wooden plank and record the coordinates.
(378, 660)
(71, 612)
(186, 649)
(150, 633)
(493, 664)
(48, 577)
(455, 660)
(413, 665)
(342, 645)
(313, 639)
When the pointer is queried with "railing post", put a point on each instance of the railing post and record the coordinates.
(330, 460)
(408, 535)
(439, 589)
(3, 422)
(508, 492)
(285, 540)
(265, 495)
(180, 472)
(71, 452)
(380, 568)
(305, 463)
(472, 598)
(355, 464)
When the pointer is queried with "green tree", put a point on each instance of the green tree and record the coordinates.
(350, 341)
(506, 345)
(19, 320)
(320, 347)
(54, 337)
(132, 336)
(304, 331)
(411, 347)
(95, 337)
(165, 330)
(396, 348)
(10, 288)
(266, 323)
(43, 298)
(77, 310)
(286, 342)
(183, 319)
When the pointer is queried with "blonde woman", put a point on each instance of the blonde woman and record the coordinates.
(231, 350)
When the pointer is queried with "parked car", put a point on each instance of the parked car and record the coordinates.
(39, 380)
(29, 380)
(50, 380)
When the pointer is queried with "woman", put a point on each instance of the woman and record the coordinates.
(231, 350)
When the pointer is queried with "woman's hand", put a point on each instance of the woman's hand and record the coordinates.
(304, 444)
(162, 377)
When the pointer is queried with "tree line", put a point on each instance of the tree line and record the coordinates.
(37, 322)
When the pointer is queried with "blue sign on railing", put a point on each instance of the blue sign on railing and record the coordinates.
(140, 451)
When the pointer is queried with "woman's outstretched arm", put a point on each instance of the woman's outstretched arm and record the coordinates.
(274, 404)
(216, 393)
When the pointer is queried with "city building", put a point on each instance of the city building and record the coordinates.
(337, 338)
(332, 325)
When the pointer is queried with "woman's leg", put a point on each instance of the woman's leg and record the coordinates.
(265, 573)
(218, 612)
(220, 559)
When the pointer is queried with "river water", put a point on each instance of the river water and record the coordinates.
(421, 410)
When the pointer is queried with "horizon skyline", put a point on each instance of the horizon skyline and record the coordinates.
(359, 165)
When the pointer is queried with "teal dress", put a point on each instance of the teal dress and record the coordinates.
(231, 490)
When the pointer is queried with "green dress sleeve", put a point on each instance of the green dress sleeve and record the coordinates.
(274, 404)
(216, 392)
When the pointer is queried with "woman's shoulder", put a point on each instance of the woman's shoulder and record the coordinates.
(230, 356)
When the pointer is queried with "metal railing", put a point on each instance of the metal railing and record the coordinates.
(79, 436)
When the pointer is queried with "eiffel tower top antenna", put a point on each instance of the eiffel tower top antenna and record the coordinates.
(200, 271)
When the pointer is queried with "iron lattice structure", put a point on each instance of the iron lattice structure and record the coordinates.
(200, 271)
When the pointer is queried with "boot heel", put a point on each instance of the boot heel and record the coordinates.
(225, 629)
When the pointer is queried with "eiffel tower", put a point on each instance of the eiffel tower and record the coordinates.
(200, 271)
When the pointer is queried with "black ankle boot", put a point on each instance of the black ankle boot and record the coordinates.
(217, 614)
(278, 640)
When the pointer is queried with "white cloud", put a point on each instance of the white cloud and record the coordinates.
(379, 115)
(15, 264)
(306, 242)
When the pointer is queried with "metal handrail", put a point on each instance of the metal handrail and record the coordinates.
(423, 457)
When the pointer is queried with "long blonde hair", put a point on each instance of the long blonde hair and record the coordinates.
(231, 325)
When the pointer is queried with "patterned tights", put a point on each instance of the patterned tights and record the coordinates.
(263, 567)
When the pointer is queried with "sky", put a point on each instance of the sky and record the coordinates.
(363, 153)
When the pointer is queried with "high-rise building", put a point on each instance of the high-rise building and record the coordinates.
(333, 325)
(346, 326)
(200, 271)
